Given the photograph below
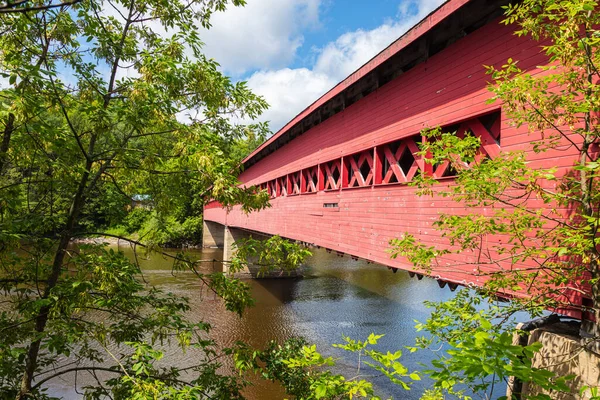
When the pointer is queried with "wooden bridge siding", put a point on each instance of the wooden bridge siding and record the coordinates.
(356, 228)
(449, 87)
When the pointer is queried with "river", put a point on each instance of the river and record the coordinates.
(338, 296)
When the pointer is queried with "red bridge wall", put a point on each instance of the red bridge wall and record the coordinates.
(448, 88)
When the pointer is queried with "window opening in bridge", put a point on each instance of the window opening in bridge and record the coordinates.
(332, 175)
(310, 180)
(487, 129)
(398, 161)
(406, 161)
(295, 183)
(314, 178)
(282, 185)
(336, 173)
(330, 205)
(491, 122)
(272, 188)
(449, 171)
(365, 169)
(360, 169)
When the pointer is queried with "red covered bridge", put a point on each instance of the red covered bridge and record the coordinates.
(338, 172)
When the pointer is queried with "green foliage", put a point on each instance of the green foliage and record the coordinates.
(234, 292)
(272, 254)
(129, 316)
(135, 219)
(80, 136)
(592, 392)
(74, 152)
(249, 141)
(106, 207)
(479, 350)
(307, 374)
(513, 244)
(387, 364)
(167, 231)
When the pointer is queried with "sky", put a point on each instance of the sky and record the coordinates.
(293, 51)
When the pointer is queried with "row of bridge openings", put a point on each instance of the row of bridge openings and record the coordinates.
(396, 162)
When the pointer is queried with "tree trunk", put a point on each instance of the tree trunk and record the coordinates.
(42, 318)
(8, 130)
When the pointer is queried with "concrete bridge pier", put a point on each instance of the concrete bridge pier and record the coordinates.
(213, 235)
(217, 236)
(231, 235)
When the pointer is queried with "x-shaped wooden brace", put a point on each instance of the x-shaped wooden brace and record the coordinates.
(310, 176)
(394, 158)
(356, 178)
(295, 182)
(489, 146)
(282, 182)
(272, 188)
(330, 182)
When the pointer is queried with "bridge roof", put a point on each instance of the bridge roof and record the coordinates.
(442, 27)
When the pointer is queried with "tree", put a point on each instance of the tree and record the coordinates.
(551, 252)
(542, 258)
(96, 94)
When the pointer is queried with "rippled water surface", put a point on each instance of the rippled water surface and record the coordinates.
(338, 296)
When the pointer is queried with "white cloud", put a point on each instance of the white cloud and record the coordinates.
(350, 51)
(289, 91)
(264, 34)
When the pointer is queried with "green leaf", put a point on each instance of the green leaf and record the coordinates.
(320, 391)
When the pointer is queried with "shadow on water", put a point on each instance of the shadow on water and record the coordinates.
(338, 297)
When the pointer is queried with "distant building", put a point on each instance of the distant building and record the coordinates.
(141, 201)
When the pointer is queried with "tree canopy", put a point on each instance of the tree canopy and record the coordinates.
(105, 100)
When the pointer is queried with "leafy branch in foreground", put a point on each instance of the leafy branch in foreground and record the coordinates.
(104, 319)
(272, 254)
(307, 374)
(478, 350)
(529, 231)
(93, 108)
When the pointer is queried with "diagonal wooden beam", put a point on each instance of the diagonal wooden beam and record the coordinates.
(488, 143)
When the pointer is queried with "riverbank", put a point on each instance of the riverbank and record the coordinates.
(99, 240)
(114, 241)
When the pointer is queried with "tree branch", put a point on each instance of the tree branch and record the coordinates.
(9, 8)
(75, 369)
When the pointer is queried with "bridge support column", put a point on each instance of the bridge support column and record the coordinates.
(213, 234)
(229, 238)
(564, 352)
